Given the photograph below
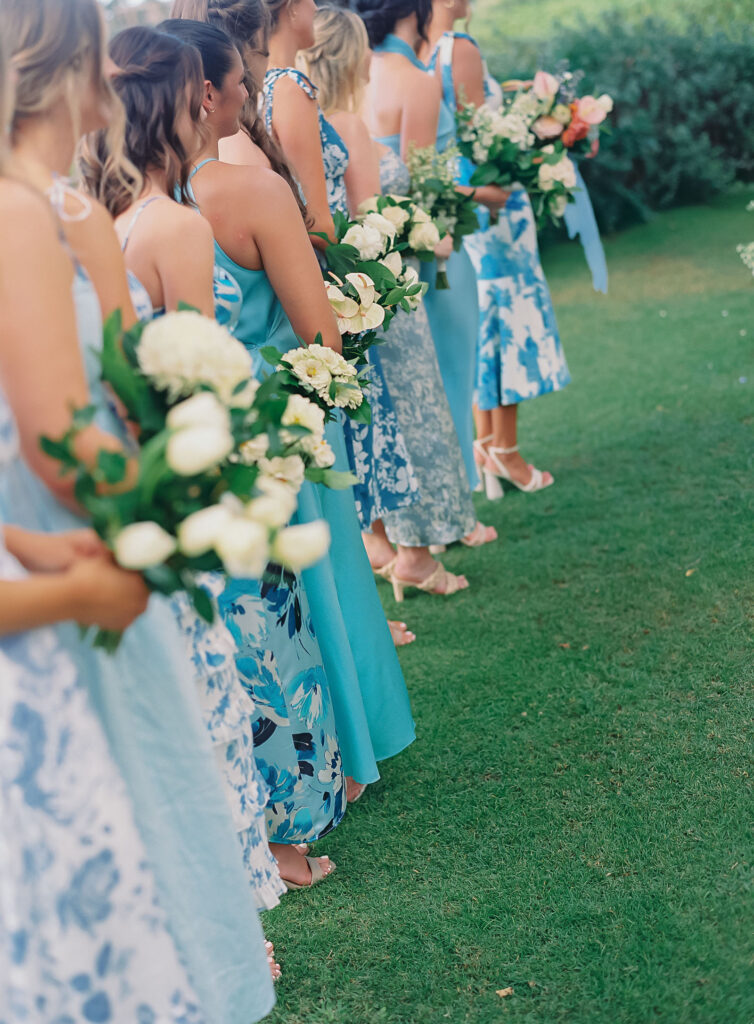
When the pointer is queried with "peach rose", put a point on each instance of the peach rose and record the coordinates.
(547, 128)
(590, 110)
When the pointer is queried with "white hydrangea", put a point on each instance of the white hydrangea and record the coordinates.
(181, 351)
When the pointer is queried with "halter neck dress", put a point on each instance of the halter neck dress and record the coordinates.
(227, 707)
(453, 314)
(377, 450)
(373, 711)
(444, 511)
(519, 353)
(81, 933)
(145, 696)
(277, 652)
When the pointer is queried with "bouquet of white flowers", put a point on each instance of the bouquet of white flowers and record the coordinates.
(433, 189)
(746, 252)
(212, 481)
(324, 378)
(416, 234)
(367, 280)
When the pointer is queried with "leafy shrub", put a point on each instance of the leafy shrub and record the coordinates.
(682, 129)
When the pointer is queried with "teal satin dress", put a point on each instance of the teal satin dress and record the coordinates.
(454, 313)
(369, 697)
(146, 698)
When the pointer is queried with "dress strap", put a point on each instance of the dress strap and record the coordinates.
(271, 79)
(137, 213)
(198, 167)
(393, 44)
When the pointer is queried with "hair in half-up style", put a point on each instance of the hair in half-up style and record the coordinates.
(335, 61)
(248, 23)
(380, 16)
(156, 70)
(57, 49)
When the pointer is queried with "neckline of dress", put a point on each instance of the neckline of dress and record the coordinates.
(394, 44)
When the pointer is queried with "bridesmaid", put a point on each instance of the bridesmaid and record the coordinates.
(260, 239)
(338, 65)
(170, 247)
(145, 695)
(519, 353)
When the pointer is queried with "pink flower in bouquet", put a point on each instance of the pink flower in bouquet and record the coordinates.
(590, 110)
(545, 86)
(547, 128)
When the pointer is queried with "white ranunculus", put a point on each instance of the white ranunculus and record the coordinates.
(367, 240)
(397, 216)
(300, 412)
(244, 547)
(424, 237)
(255, 449)
(181, 351)
(201, 410)
(288, 469)
(275, 503)
(199, 532)
(394, 263)
(298, 547)
(143, 545)
(198, 449)
(562, 172)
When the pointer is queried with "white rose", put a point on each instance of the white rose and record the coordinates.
(368, 205)
(367, 240)
(287, 469)
(397, 216)
(420, 216)
(198, 449)
(394, 263)
(382, 224)
(274, 505)
(180, 351)
(255, 449)
(199, 532)
(424, 237)
(143, 545)
(298, 547)
(201, 410)
(243, 547)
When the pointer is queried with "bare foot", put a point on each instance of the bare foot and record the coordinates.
(520, 470)
(401, 634)
(293, 866)
(354, 789)
(480, 535)
(275, 969)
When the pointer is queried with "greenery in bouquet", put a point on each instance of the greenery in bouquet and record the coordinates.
(746, 252)
(367, 281)
(209, 477)
(434, 189)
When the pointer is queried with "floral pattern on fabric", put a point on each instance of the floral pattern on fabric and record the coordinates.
(228, 712)
(81, 936)
(295, 743)
(334, 150)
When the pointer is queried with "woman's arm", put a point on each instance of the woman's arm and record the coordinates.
(41, 369)
(289, 260)
(363, 172)
(295, 123)
(468, 73)
(51, 552)
(421, 113)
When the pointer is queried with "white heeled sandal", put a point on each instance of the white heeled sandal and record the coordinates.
(494, 487)
(480, 456)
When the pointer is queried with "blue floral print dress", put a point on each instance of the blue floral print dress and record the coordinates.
(519, 354)
(81, 935)
(377, 451)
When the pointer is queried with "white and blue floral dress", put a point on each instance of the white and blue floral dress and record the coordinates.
(519, 354)
(81, 936)
(377, 451)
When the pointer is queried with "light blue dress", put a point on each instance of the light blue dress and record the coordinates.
(444, 512)
(377, 451)
(277, 653)
(453, 313)
(146, 698)
(227, 708)
(81, 935)
(519, 354)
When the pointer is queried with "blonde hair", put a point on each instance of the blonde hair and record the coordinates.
(335, 61)
(6, 106)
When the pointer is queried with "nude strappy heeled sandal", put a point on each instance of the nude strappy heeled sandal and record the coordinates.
(430, 584)
(492, 480)
(318, 875)
(480, 455)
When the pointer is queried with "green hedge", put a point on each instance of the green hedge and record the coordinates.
(683, 126)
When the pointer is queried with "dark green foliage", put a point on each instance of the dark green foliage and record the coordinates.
(574, 818)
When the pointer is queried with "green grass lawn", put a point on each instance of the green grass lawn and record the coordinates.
(574, 820)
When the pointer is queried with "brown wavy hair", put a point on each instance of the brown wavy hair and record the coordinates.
(244, 21)
(155, 71)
